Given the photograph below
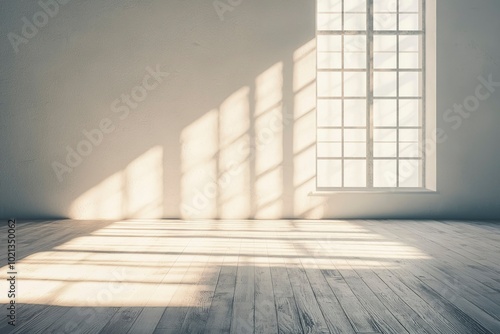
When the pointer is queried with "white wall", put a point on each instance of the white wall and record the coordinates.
(232, 83)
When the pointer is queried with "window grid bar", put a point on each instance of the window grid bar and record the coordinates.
(373, 190)
(364, 32)
(369, 92)
(363, 158)
(316, 88)
(324, 127)
(397, 94)
(364, 70)
(374, 12)
(374, 98)
(342, 103)
(423, 107)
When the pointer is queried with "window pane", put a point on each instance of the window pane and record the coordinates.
(329, 43)
(385, 173)
(385, 135)
(410, 43)
(329, 173)
(355, 135)
(385, 143)
(384, 113)
(409, 135)
(383, 6)
(409, 84)
(409, 22)
(355, 6)
(355, 143)
(385, 150)
(385, 84)
(329, 60)
(329, 112)
(409, 113)
(354, 21)
(409, 6)
(329, 21)
(385, 43)
(354, 112)
(355, 84)
(355, 150)
(385, 60)
(409, 173)
(385, 21)
(355, 43)
(409, 150)
(355, 60)
(409, 143)
(329, 135)
(409, 60)
(355, 51)
(329, 150)
(385, 48)
(355, 173)
(329, 84)
(409, 48)
(329, 6)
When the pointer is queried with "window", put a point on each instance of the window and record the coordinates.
(375, 95)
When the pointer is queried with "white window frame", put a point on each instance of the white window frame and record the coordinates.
(427, 140)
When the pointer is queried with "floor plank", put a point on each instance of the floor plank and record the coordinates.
(265, 312)
(361, 320)
(221, 309)
(310, 314)
(335, 317)
(286, 307)
(244, 295)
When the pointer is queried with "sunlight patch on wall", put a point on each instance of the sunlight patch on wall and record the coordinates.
(215, 163)
(136, 191)
(234, 145)
(304, 133)
(144, 185)
(268, 137)
(200, 180)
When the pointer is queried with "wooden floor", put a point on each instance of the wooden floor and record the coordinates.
(256, 277)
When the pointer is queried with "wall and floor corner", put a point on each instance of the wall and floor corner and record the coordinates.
(204, 109)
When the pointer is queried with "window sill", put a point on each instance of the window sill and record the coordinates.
(390, 191)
